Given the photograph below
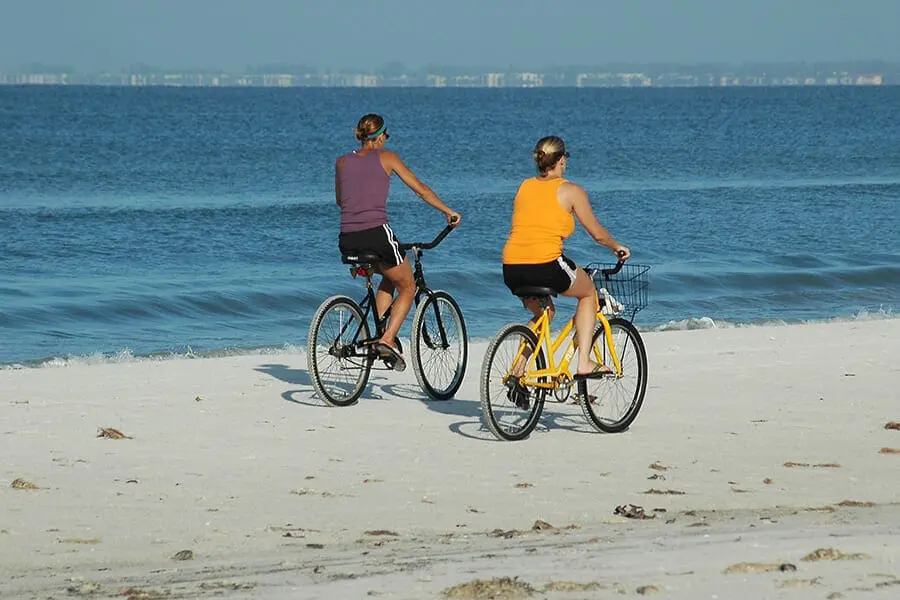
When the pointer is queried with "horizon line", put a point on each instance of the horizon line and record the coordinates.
(400, 66)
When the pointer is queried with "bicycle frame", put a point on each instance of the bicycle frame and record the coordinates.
(368, 301)
(549, 377)
(368, 305)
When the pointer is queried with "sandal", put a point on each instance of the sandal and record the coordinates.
(598, 372)
(391, 356)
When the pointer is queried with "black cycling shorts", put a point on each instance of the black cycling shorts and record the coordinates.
(378, 240)
(559, 275)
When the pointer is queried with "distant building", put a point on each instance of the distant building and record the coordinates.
(870, 79)
(530, 80)
(278, 80)
(495, 79)
(467, 81)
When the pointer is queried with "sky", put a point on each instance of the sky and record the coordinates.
(94, 35)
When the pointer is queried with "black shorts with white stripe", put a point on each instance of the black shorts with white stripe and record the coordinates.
(558, 275)
(377, 240)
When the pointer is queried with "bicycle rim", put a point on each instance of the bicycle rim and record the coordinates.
(338, 368)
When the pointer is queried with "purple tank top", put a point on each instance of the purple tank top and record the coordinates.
(364, 192)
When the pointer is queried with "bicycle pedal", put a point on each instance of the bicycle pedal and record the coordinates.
(396, 364)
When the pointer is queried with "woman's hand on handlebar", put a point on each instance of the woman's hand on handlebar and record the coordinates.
(622, 252)
(453, 218)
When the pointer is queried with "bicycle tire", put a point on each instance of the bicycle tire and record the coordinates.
(362, 365)
(593, 388)
(425, 337)
(537, 394)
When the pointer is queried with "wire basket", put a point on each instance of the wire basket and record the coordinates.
(630, 286)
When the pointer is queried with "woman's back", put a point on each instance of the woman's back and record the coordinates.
(539, 223)
(364, 186)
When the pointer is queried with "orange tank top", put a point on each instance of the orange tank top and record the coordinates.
(539, 224)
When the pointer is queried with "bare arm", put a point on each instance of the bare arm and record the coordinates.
(337, 180)
(577, 198)
(395, 165)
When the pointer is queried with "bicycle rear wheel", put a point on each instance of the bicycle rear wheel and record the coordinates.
(511, 411)
(439, 345)
(338, 366)
(612, 403)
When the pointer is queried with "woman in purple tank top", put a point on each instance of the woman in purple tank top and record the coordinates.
(362, 181)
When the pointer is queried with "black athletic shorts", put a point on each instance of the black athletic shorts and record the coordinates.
(378, 240)
(558, 275)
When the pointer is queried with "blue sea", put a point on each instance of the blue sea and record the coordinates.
(163, 222)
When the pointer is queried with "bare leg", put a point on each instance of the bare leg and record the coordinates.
(585, 318)
(401, 279)
(384, 295)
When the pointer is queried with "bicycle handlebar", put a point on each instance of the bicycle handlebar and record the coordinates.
(429, 245)
(616, 269)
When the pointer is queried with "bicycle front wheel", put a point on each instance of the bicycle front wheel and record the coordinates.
(338, 365)
(611, 403)
(439, 345)
(511, 410)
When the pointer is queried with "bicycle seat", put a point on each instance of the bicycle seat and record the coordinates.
(532, 291)
(360, 258)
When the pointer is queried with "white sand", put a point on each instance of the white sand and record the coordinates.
(237, 461)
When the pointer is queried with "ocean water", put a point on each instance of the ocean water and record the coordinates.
(157, 221)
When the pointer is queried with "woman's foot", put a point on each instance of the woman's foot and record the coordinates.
(391, 355)
(594, 371)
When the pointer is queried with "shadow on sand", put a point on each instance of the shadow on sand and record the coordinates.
(380, 389)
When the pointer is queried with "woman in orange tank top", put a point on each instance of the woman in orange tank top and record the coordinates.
(544, 213)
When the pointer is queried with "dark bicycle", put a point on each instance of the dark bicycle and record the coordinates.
(341, 348)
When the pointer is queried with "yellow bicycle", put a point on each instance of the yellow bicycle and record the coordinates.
(520, 366)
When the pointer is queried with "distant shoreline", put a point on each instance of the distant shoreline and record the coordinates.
(423, 86)
(864, 73)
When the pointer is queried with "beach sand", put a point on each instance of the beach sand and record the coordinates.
(234, 481)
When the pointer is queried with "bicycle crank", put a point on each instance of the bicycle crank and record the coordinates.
(563, 388)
